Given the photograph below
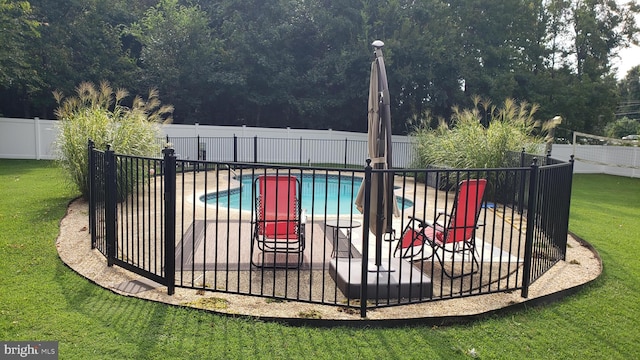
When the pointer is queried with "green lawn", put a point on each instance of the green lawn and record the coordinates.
(42, 299)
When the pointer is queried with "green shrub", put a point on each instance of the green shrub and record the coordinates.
(622, 127)
(470, 144)
(98, 114)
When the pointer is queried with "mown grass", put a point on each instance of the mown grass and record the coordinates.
(42, 299)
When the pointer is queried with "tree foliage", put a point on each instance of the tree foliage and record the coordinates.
(622, 127)
(17, 29)
(629, 89)
(19, 73)
(305, 64)
(178, 55)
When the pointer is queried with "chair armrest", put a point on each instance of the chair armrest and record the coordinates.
(421, 222)
(424, 223)
(441, 213)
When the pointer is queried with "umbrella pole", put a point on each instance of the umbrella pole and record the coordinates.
(379, 220)
(383, 220)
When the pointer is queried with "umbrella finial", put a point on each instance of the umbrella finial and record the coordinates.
(377, 44)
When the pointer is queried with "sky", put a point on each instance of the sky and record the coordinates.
(628, 58)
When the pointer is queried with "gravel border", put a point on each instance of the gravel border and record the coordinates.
(583, 266)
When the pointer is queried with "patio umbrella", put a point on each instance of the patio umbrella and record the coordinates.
(383, 203)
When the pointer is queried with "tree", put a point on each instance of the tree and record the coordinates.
(629, 89)
(79, 41)
(424, 61)
(498, 44)
(261, 40)
(179, 57)
(596, 25)
(622, 127)
(17, 28)
(17, 68)
(305, 63)
(583, 37)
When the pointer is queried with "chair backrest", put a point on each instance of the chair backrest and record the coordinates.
(277, 206)
(467, 209)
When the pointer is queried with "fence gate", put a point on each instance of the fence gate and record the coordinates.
(132, 216)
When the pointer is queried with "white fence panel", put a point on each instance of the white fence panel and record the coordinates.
(34, 139)
(27, 138)
(622, 160)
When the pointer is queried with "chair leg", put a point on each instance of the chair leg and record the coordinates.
(264, 249)
(253, 246)
(473, 250)
(413, 254)
(395, 251)
(474, 260)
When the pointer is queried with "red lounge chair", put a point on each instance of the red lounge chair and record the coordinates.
(279, 226)
(454, 234)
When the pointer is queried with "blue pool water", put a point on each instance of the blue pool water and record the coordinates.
(336, 193)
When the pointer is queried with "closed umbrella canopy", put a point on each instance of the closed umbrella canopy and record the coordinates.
(383, 203)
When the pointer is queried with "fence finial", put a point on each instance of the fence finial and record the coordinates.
(168, 150)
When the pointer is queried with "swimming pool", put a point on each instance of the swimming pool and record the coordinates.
(330, 194)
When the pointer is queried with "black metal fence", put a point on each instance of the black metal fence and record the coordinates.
(130, 216)
(345, 152)
(197, 224)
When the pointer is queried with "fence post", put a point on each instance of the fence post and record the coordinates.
(547, 158)
(568, 202)
(197, 167)
(235, 148)
(365, 239)
(169, 218)
(531, 216)
(522, 187)
(111, 200)
(36, 126)
(91, 185)
(346, 143)
(255, 149)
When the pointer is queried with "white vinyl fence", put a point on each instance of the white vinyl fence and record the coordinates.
(34, 139)
(591, 159)
(27, 138)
